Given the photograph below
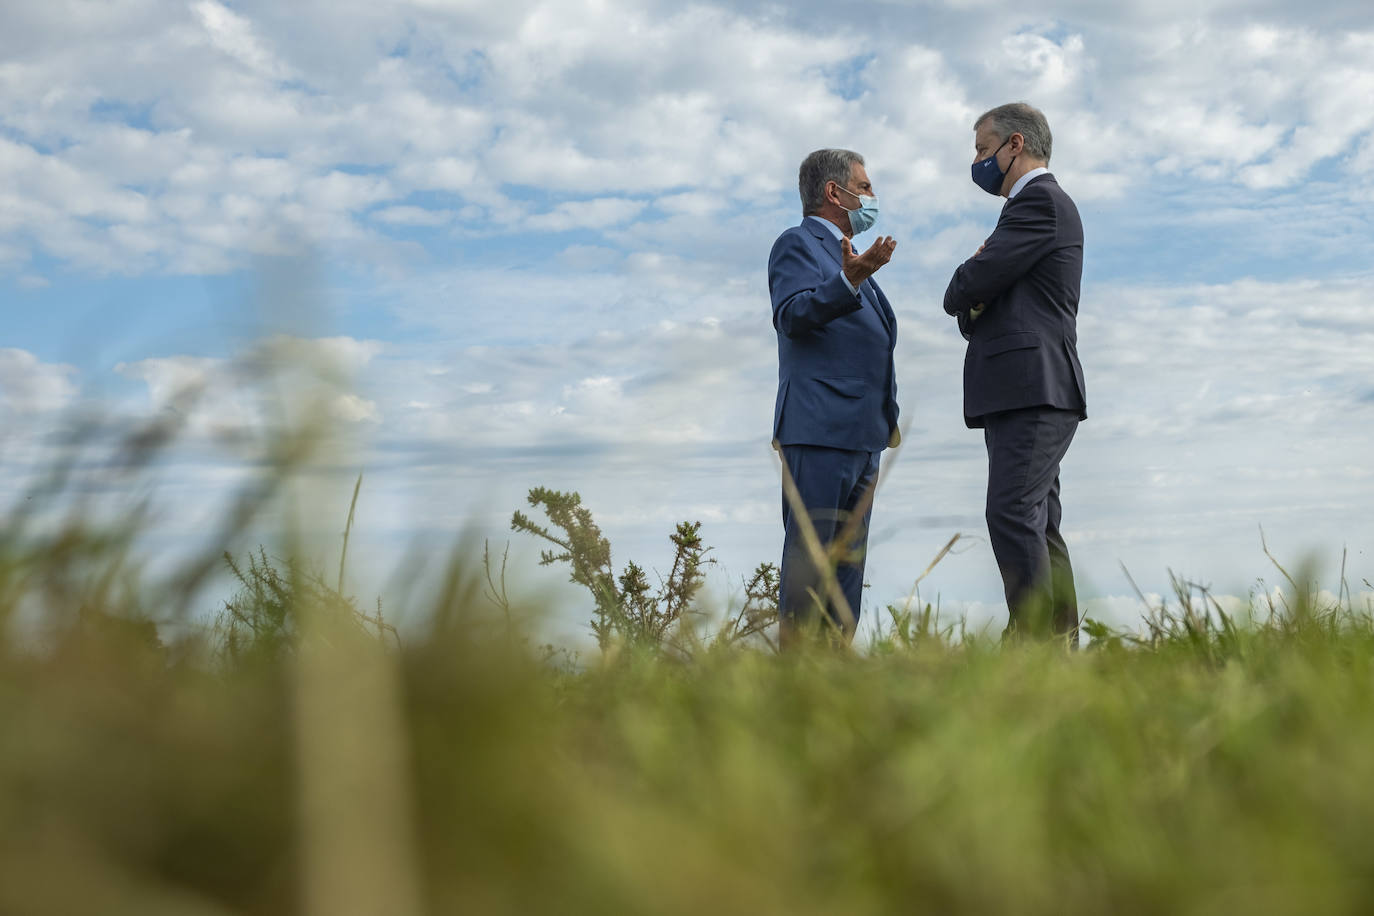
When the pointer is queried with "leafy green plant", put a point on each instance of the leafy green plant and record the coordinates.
(758, 612)
(909, 629)
(263, 617)
(627, 608)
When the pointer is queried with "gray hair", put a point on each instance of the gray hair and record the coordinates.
(1020, 118)
(818, 169)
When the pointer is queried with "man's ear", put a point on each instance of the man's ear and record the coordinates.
(1017, 142)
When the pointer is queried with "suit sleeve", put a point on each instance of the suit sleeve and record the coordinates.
(1025, 233)
(804, 296)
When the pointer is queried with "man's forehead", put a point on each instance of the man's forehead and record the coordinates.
(858, 172)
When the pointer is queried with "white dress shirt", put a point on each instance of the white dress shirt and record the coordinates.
(1024, 180)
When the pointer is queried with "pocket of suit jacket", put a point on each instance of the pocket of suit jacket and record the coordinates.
(1019, 340)
(845, 386)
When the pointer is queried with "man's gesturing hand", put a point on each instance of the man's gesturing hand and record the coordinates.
(858, 268)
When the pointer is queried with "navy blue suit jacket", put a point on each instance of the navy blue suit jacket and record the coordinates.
(1023, 349)
(837, 385)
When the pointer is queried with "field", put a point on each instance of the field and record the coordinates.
(284, 747)
(299, 756)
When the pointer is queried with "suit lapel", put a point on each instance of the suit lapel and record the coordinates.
(827, 240)
(880, 303)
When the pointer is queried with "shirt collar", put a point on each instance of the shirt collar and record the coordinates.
(834, 230)
(1025, 180)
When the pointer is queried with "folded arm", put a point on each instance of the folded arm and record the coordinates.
(1025, 233)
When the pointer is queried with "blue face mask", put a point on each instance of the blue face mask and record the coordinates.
(987, 175)
(862, 217)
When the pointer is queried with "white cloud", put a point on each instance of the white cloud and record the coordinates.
(587, 214)
(234, 35)
(250, 132)
(30, 386)
(197, 391)
(692, 203)
(329, 355)
(1203, 141)
(412, 216)
(1043, 66)
(280, 380)
(443, 174)
(353, 409)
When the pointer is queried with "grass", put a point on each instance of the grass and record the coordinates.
(459, 773)
(295, 755)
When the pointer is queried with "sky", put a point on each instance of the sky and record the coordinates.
(529, 241)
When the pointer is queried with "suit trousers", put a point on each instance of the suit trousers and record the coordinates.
(1025, 448)
(831, 482)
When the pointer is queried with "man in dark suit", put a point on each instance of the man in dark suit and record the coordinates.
(1017, 305)
(836, 407)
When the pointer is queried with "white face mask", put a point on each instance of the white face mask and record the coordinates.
(862, 217)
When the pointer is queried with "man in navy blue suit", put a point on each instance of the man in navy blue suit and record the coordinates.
(1016, 301)
(836, 408)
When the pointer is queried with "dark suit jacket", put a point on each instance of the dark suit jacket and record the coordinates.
(836, 382)
(1023, 349)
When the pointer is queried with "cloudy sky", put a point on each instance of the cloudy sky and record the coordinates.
(532, 238)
